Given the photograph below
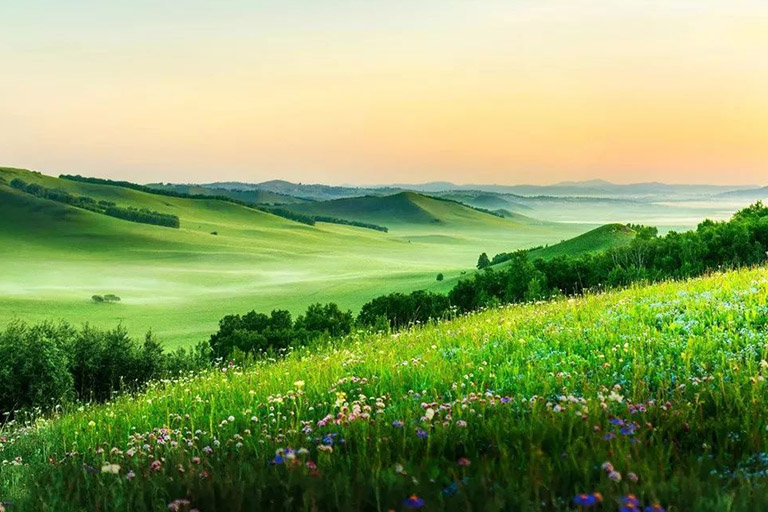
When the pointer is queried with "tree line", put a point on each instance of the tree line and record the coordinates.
(309, 220)
(741, 241)
(109, 208)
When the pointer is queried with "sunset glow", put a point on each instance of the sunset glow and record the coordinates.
(348, 92)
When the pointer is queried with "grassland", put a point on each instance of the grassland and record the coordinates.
(180, 282)
(597, 240)
(657, 393)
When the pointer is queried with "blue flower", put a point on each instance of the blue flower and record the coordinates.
(397, 423)
(586, 500)
(421, 433)
(413, 502)
(277, 460)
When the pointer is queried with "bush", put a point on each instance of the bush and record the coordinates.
(440, 276)
(48, 364)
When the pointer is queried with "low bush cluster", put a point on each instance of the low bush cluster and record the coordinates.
(48, 364)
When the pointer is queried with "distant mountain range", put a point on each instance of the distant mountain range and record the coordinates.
(591, 188)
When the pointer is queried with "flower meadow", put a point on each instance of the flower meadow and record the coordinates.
(647, 399)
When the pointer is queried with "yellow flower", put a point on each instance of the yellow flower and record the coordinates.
(299, 383)
(91, 423)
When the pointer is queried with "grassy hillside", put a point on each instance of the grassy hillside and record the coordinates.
(652, 394)
(598, 240)
(404, 208)
(180, 282)
(253, 196)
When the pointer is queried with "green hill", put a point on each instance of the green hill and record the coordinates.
(252, 196)
(598, 240)
(651, 396)
(404, 208)
(223, 258)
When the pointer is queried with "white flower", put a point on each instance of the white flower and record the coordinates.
(110, 468)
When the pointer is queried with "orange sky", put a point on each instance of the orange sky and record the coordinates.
(531, 91)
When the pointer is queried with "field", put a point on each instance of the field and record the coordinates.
(653, 395)
(180, 282)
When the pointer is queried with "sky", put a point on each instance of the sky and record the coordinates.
(387, 91)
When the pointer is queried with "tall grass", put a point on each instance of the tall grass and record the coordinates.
(658, 392)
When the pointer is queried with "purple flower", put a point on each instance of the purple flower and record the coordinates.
(630, 499)
(421, 433)
(277, 460)
(587, 500)
(413, 502)
(397, 423)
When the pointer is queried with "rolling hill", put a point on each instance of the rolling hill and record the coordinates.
(223, 258)
(407, 209)
(252, 196)
(598, 240)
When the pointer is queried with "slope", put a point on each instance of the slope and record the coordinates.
(180, 282)
(405, 209)
(598, 240)
(617, 394)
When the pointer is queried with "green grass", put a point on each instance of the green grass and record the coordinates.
(597, 240)
(405, 208)
(519, 408)
(180, 282)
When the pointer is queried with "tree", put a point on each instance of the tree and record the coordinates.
(440, 276)
(483, 261)
(97, 298)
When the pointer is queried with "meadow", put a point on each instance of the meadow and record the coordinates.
(180, 282)
(652, 398)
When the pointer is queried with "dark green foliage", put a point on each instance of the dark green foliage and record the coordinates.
(97, 299)
(713, 245)
(440, 276)
(356, 223)
(48, 364)
(88, 203)
(258, 333)
(401, 310)
(483, 261)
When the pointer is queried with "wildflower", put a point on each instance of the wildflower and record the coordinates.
(587, 500)
(110, 468)
(277, 460)
(464, 462)
(655, 508)
(615, 476)
(91, 423)
(231, 419)
(299, 384)
(195, 460)
(630, 499)
(325, 448)
(632, 477)
(461, 423)
(177, 505)
(609, 436)
(607, 467)
(130, 475)
(421, 433)
(413, 502)
(397, 423)
(207, 450)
